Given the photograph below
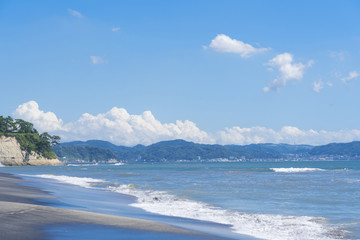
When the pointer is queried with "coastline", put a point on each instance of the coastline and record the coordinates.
(218, 199)
(24, 214)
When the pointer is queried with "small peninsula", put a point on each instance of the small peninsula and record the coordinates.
(21, 144)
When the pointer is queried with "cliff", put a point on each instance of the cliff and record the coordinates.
(12, 155)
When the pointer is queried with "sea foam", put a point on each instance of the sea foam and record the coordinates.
(119, 164)
(82, 164)
(296, 170)
(264, 226)
(80, 181)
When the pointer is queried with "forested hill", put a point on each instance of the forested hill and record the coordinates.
(96, 150)
(351, 149)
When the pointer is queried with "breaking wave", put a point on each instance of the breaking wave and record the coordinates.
(264, 226)
(80, 181)
(82, 164)
(296, 170)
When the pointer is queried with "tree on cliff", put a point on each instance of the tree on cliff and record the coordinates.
(52, 139)
(9, 125)
(24, 127)
(28, 137)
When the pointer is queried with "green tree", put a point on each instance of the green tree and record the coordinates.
(25, 127)
(2, 124)
(52, 139)
(7, 125)
(55, 140)
(28, 137)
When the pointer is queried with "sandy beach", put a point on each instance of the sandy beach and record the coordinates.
(24, 215)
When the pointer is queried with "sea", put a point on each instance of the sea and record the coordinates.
(232, 200)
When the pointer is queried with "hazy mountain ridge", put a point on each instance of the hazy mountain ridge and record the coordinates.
(174, 150)
(351, 149)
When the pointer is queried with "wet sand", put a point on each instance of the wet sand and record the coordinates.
(24, 215)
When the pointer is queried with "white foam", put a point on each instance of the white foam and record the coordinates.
(296, 170)
(82, 165)
(264, 226)
(1, 165)
(257, 225)
(80, 181)
(119, 164)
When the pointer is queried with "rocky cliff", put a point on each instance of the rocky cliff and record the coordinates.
(12, 155)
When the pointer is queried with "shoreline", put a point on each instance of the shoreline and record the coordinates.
(24, 216)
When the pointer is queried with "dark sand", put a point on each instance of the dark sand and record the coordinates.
(24, 215)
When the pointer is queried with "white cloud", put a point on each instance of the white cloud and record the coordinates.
(288, 71)
(115, 29)
(116, 125)
(122, 128)
(351, 76)
(75, 13)
(287, 134)
(317, 86)
(43, 121)
(223, 43)
(96, 60)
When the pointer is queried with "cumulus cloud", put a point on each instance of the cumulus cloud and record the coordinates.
(43, 121)
(223, 43)
(116, 125)
(286, 134)
(287, 69)
(115, 29)
(75, 13)
(351, 76)
(122, 128)
(96, 60)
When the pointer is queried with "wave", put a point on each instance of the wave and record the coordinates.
(264, 226)
(119, 164)
(82, 164)
(296, 170)
(80, 181)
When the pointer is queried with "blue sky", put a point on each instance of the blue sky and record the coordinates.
(237, 71)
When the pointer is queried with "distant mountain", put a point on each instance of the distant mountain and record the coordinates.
(284, 148)
(99, 143)
(97, 150)
(351, 149)
(87, 153)
(183, 150)
(269, 150)
(174, 150)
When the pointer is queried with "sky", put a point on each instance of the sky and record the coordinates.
(217, 72)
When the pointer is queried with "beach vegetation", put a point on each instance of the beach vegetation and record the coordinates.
(28, 137)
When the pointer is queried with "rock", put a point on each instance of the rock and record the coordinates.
(12, 155)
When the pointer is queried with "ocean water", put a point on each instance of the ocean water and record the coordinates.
(238, 200)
